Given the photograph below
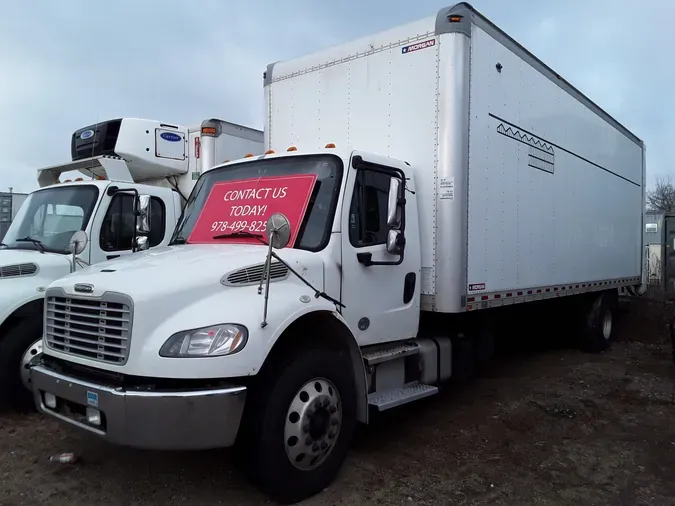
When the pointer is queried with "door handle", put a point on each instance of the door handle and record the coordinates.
(110, 257)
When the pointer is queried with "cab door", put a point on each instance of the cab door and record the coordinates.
(380, 289)
(112, 230)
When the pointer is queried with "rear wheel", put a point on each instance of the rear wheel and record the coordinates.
(18, 347)
(299, 424)
(598, 331)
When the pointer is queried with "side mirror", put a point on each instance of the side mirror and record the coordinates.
(141, 243)
(78, 242)
(395, 242)
(278, 230)
(143, 214)
(393, 209)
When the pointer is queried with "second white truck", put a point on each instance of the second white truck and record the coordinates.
(420, 185)
(124, 159)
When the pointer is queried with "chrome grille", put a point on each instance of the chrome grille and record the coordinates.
(253, 274)
(97, 329)
(13, 271)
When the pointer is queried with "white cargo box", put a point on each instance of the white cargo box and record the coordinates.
(527, 189)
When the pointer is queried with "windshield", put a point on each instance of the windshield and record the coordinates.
(315, 224)
(49, 218)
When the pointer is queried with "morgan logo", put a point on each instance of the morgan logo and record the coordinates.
(84, 288)
(476, 287)
(418, 46)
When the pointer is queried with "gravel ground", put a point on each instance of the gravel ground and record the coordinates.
(548, 426)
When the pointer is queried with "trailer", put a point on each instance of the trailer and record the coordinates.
(417, 185)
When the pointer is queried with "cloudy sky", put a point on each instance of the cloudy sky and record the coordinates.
(65, 64)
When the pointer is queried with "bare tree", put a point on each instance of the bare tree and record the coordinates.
(662, 197)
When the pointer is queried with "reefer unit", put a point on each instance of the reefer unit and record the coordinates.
(527, 188)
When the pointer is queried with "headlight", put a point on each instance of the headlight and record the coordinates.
(214, 341)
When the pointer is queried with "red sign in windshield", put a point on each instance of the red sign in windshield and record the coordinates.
(245, 205)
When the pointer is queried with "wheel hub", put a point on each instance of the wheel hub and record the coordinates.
(32, 351)
(313, 424)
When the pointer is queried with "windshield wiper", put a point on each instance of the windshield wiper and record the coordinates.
(178, 240)
(3, 244)
(241, 233)
(37, 243)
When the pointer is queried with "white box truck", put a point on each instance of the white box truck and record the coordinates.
(125, 159)
(418, 184)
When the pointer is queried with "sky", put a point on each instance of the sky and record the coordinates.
(68, 64)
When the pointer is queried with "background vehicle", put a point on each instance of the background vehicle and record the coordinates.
(126, 158)
(434, 178)
(10, 203)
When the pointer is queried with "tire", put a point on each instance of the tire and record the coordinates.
(13, 345)
(598, 332)
(270, 424)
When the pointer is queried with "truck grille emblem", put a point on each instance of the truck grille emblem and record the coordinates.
(84, 288)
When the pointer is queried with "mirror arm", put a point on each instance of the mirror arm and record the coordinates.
(317, 293)
(367, 260)
(266, 277)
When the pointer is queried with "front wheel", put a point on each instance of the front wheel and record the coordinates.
(18, 347)
(301, 423)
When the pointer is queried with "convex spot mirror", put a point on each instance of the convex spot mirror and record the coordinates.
(143, 214)
(395, 242)
(78, 242)
(278, 230)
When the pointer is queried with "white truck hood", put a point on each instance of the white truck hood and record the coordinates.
(177, 288)
(159, 272)
(24, 276)
(49, 265)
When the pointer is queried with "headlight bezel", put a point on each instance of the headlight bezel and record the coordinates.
(185, 337)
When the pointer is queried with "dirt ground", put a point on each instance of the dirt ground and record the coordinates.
(548, 426)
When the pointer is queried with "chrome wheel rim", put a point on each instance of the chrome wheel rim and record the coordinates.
(33, 350)
(607, 325)
(313, 423)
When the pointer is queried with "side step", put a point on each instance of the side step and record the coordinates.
(399, 396)
(390, 353)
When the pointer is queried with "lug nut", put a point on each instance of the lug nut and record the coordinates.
(318, 404)
(331, 434)
(315, 447)
(324, 445)
(333, 409)
(326, 402)
(308, 441)
(305, 428)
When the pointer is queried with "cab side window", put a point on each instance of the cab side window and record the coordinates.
(368, 210)
(117, 231)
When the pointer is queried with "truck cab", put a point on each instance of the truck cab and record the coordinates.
(139, 172)
(219, 309)
(36, 249)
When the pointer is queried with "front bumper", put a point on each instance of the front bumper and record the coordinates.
(167, 420)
